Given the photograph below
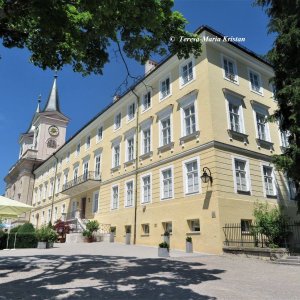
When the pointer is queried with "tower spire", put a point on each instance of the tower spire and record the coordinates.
(53, 100)
(38, 109)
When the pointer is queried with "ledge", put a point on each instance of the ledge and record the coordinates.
(145, 235)
(193, 233)
(189, 137)
(146, 155)
(238, 136)
(129, 163)
(264, 144)
(244, 193)
(166, 147)
(114, 169)
(271, 196)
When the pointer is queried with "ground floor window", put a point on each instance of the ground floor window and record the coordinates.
(194, 225)
(146, 229)
(246, 226)
(167, 226)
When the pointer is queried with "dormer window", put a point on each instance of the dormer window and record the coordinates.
(165, 88)
(117, 121)
(51, 143)
(131, 111)
(230, 69)
(255, 82)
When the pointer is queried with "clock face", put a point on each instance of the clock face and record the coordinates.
(53, 131)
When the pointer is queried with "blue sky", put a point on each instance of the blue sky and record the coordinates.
(83, 97)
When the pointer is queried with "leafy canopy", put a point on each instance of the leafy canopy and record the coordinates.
(285, 57)
(80, 32)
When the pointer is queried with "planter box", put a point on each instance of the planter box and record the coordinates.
(188, 247)
(111, 237)
(127, 238)
(42, 245)
(163, 252)
(50, 245)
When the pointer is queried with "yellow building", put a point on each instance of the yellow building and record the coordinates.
(137, 164)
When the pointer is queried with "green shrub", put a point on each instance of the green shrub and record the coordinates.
(189, 239)
(92, 225)
(46, 234)
(163, 245)
(23, 240)
(15, 229)
(26, 228)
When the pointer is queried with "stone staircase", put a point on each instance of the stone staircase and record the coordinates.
(293, 260)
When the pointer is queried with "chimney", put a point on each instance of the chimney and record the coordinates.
(150, 65)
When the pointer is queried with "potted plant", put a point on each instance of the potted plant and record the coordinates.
(112, 234)
(91, 227)
(167, 237)
(88, 236)
(52, 238)
(128, 236)
(42, 236)
(188, 245)
(163, 249)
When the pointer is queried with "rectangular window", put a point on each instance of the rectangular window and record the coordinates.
(55, 214)
(167, 184)
(146, 189)
(78, 149)
(115, 197)
(131, 111)
(45, 190)
(88, 142)
(167, 226)
(192, 177)
(118, 121)
(65, 179)
(229, 69)
(75, 175)
(269, 181)
(165, 88)
(58, 185)
(74, 209)
(194, 225)
(261, 126)
(129, 194)
(51, 188)
(49, 215)
(147, 101)
(99, 133)
(116, 156)
(246, 226)
(284, 139)
(63, 208)
(130, 149)
(68, 157)
(255, 82)
(146, 229)
(97, 166)
(85, 170)
(95, 202)
(293, 190)
(146, 140)
(187, 73)
(189, 120)
(234, 115)
(166, 131)
(241, 176)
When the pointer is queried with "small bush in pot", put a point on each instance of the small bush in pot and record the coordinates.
(163, 249)
(188, 245)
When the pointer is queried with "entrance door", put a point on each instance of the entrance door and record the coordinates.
(83, 205)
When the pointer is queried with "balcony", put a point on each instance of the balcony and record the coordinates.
(81, 184)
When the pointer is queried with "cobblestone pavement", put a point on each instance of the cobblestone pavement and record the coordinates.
(117, 271)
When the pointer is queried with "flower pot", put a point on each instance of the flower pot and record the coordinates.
(127, 238)
(50, 244)
(163, 252)
(89, 239)
(111, 237)
(42, 245)
(189, 247)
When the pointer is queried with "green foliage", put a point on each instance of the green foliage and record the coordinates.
(92, 225)
(26, 228)
(15, 229)
(166, 233)
(23, 240)
(81, 32)
(46, 234)
(285, 22)
(163, 245)
(189, 239)
(271, 223)
(87, 233)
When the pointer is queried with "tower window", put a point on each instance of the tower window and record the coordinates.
(51, 144)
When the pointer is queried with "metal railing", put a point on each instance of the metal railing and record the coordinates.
(91, 175)
(237, 236)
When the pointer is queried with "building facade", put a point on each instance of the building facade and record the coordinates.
(137, 165)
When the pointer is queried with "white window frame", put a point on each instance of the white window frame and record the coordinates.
(184, 103)
(235, 71)
(143, 228)
(93, 205)
(292, 196)
(88, 142)
(185, 179)
(117, 144)
(274, 182)
(78, 146)
(85, 171)
(130, 118)
(167, 113)
(247, 170)
(75, 171)
(191, 227)
(129, 137)
(161, 97)
(99, 139)
(262, 111)
(181, 66)
(237, 101)
(142, 188)
(162, 198)
(58, 187)
(146, 125)
(260, 92)
(98, 155)
(68, 156)
(144, 109)
(125, 193)
(112, 197)
(115, 121)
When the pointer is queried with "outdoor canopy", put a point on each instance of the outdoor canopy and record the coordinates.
(11, 208)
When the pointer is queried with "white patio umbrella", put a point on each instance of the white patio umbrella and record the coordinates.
(11, 209)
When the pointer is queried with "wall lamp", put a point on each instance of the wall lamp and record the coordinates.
(205, 177)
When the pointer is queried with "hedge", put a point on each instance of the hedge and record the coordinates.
(23, 240)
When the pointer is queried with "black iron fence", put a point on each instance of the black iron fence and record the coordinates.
(80, 179)
(241, 236)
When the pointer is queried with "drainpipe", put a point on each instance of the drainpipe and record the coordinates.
(54, 187)
(136, 165)
(33, 175)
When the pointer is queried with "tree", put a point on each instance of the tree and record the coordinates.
(80, 32)
(285, 58)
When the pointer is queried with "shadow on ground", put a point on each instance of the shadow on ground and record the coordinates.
(101, 277)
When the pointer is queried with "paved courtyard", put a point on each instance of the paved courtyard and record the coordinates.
(116, 271)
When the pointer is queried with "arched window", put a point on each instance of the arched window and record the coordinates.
(51, 143)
